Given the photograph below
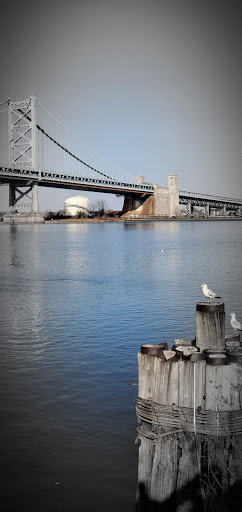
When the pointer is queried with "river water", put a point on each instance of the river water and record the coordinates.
(77, 301)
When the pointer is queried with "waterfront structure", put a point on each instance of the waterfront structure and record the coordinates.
(36, 157)
(164, 202)
(190, 410)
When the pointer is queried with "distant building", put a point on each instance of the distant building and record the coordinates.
(140, 179)
(76, 204)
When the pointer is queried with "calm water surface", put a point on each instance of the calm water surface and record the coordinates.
(77, 301)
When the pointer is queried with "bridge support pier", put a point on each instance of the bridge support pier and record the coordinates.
(189, 209)
(12, 197)
(132, 204)
(224, 210)
(13, 216)
(207, 209)
(239, 211)
(164, 203)
(35, 200)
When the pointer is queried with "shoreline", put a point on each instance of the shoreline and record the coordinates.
(178, 219)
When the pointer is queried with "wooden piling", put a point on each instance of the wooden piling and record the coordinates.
(191, 422)
(209, 322)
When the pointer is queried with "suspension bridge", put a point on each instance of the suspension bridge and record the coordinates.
(37, 149)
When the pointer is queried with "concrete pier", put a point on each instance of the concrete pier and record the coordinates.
(35, 199)
(23, 218)
(15, 217)
(163, 203)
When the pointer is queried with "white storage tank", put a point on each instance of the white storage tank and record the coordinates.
(76, 204)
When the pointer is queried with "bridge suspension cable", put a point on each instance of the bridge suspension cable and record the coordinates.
(69, 152)
(4, 102)
(54, 151)
(83, 144)
(60, 145)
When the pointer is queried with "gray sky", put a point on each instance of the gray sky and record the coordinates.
(152, 86)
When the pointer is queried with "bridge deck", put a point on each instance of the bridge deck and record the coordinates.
(53, 179)
(60, 180)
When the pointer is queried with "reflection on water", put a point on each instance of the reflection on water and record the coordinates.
(76, 302)
(13, 255)
(154, 226)
(76, 228)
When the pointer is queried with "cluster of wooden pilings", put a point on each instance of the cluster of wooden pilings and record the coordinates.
(189, 409)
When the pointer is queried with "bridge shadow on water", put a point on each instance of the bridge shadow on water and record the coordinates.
(189, 499)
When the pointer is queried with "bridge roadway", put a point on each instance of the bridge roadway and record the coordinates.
(24, 177)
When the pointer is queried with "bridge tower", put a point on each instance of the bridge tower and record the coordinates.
(22, 147)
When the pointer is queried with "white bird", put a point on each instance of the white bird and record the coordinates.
(234, 323)
(209, 294)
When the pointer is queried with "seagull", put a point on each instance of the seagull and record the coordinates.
(234, 323)
(209, 294)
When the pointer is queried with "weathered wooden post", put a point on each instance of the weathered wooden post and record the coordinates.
(210, 325)
(190, 409)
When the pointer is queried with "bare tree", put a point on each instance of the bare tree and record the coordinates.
(99, 208)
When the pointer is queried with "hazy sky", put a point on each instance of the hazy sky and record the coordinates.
(153, 86)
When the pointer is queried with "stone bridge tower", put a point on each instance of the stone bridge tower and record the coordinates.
(163, 203)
